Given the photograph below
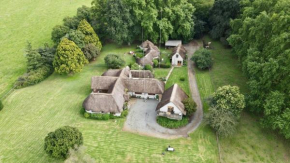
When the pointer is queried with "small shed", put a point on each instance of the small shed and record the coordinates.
(172, 43)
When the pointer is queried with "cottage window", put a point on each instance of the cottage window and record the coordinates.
(139, 93)
(170, 109)
(151, 93)
(176, 55)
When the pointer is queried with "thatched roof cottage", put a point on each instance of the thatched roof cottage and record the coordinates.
(151, 52)
(171, 105)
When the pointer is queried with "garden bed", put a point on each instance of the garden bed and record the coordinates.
(170, 123)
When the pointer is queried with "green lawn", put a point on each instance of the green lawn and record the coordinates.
(27, 20)
(31, 113)
(161, 72)
(251, 143)
(175, 76)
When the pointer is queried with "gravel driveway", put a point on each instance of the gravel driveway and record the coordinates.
(142, 115)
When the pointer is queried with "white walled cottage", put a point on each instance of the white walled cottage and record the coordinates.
(178, 55)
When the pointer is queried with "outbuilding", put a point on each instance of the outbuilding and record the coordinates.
(178, 55)
(172, 43)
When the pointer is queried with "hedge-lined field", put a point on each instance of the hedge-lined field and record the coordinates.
(251, 143)
(27, 20)
(31, 113)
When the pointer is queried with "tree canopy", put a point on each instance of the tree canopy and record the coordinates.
(260, 38)
(58, 143)
(90, 35)
(202, 59)
(69, 58)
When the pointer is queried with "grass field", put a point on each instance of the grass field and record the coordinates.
(31, 113)
(250, 143)
(27, 20)
(175, 76)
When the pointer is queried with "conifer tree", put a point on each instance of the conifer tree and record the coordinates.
(69, 58)
(90, 35)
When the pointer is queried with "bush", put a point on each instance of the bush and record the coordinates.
(202, 59)
(33, 77)
(139, 55)
(170, 123)
(1, 105)
(105, 116)
(58, 143)
(148, 67)
(77, 37)
(114, 61)
(165, 65)
(124, 113)
(91, 51)
(155, 63)
(182, 78)
(58, 32)
(135, 66)
(86, 115)
(189, 105)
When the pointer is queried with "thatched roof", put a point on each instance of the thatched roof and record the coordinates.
(142, 74)
(180, 50)
(102, 82)
(153, 86)
(175, 95)
(151, 52)
(112, 72)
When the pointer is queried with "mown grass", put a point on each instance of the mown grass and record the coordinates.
(161, 72)
(27, 20)
(177, 73)
(251, 143)
(31, 113)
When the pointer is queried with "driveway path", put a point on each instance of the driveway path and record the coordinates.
(142, 115)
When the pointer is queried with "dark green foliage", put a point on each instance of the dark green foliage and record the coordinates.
(77, 37)
(34, 60)
(47, 54)
(182, 78)
(202, 59)
(114, 61)
(165, 65)
(91, 51)
(58, 143)
(135, 66)
(99, 116)
(148, 67)
(230, 99)
(220, 15)
(69, 58)
(139, 55)
(1, 105)
(90, 36)
(155, 63)
(222, 121)
(170, 123)
(125, 113)
(189, 105)
(71, 22)
(33, 77)
(260, 39)
(58, 32)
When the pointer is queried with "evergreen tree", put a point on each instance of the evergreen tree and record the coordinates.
(68, 58)
(58, 32)
(90, 35)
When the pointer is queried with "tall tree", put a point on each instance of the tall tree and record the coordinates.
(90, 35)
(220, 15)
(261, 40)
(69, 58)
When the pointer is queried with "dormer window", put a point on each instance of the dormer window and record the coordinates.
(176, 55)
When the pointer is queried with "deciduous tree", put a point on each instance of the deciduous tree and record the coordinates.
(114, 61)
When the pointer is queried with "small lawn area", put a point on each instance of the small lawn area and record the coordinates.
(161, 72)
(175, 76)
(170, 123)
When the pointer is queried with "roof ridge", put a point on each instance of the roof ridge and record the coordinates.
(173, 92)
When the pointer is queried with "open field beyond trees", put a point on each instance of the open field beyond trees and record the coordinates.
(251, 143)
(31, 113)
(27, 20)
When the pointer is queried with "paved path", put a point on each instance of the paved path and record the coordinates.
(142, 115)
(168, 75)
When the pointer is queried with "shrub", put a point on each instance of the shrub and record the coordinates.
(58, 32)
(91, 51)
(77, 37)
(124, 113)
(182, 78)
(139, 55)
(202, 59)
(86, 115)
(135, 66)
(155, 63)
(189, 105)
(165, 65)
(58, 143)
(71, 22)
(114, 61)
(1, 105)
(148, 67)
(105, 116)
(170, 123)
(33, 77)
(69, 58)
